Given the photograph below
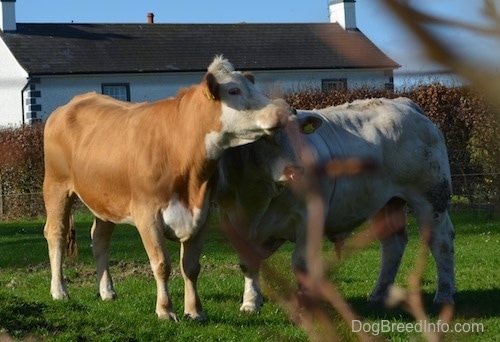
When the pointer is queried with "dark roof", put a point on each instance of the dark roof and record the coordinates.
(118, 48)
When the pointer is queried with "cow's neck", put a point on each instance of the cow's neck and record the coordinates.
(199, 117)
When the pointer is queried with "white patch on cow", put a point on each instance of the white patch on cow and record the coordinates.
(181, 220)
(237, 129)
(213, 145)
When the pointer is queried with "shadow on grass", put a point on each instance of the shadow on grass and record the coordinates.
(468, 304)
(20, 318)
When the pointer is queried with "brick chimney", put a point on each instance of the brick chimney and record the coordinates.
(151, 18)
(8, 15)
(343, 12)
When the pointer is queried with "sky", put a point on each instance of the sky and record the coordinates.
(372, 17)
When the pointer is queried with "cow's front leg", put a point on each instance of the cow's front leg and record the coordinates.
(101, 237)
(389, 225)
(190, 269)
(250, 260)
(153, 238)
(252, 294)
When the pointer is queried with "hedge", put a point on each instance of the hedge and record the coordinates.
(21, 172)
(470, 126)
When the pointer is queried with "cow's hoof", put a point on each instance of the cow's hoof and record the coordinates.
(198, 318)
(168, 316)
(250, 308)
(444, 294)
(108, 295)
(443, 299)
(59, 295)
(377, 298)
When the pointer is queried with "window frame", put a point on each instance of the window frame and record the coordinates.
(125, 86)
(332, 84)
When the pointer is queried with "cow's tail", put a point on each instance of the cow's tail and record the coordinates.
(71, 245)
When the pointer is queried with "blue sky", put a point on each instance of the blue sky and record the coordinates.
(373, 19)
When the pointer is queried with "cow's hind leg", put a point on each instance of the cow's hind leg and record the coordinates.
(58, 202)
(101, 237)
(440, 234)
(389, 225)
(190, 269)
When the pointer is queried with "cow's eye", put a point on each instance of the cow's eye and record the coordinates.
(234, 91)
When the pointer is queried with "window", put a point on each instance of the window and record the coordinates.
(333, 84)
(120, 91)
(390, 85)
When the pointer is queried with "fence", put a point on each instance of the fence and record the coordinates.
(473, 192)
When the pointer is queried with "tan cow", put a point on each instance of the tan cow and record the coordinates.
(149, 165)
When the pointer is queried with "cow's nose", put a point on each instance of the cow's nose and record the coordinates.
(293, 173)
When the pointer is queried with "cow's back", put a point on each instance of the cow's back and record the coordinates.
(408, 149)
(85, 118)
(395, 133)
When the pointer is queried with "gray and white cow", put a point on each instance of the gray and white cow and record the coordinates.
(412, 169)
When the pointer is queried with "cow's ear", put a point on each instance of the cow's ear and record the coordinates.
(249, 77)
(310, 124)
(211, 87)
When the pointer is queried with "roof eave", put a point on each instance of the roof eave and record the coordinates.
(158, 71)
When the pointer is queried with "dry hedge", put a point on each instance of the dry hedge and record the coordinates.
(466, 120)
(21, 172)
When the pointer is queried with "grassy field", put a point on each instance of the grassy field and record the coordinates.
(27, 311)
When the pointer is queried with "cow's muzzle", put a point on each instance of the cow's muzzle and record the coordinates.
(292, 173)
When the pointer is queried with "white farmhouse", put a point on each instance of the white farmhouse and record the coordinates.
(42, 66)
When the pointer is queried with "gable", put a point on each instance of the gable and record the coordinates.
(44, 49)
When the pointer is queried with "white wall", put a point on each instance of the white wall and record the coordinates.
(58, 90)
(12, 80)
(290, 81)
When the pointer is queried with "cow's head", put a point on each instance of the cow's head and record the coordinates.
(279, 158)
(246, 113)
(287, 150)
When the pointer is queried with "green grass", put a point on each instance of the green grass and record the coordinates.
(28, 312)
